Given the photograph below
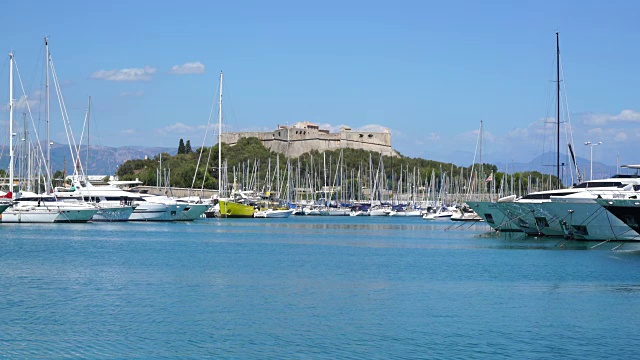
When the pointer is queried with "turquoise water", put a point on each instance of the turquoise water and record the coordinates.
(311, 288)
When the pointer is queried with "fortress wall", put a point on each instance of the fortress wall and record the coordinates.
(296, 141)
(233, 138)
(376, 138)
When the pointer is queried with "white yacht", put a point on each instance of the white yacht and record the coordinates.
(443, 212)
(144, 207)
(408, 211)
(465, 213)
(107, 210)
(492, 215)
(273, 213)
(547, 213)
(580, 216)
(195, 208)
(155, 208)
(380, 210)
(29, 207)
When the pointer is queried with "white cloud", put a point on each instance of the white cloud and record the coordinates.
(133, 74)
(181, 129)
(132, 93)
(536, 128)
(372, 128)
(629, 116)
(21, 103)
(433, 137)
(129, 131)
(621, 136)
(473, 136)
(188, 68)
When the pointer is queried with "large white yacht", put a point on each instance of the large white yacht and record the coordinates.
(107, 210)
(29, 207)
(571, 211)
(145, 207)
(580, 216)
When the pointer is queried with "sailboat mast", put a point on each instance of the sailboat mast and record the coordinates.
(10, 124)
(88, 124)
(558, 108)
(48, 164)
(220, 141)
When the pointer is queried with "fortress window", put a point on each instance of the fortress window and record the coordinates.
(361, 135)
(279, 133)
(370, 135)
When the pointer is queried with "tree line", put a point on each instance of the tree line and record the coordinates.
(250, 156)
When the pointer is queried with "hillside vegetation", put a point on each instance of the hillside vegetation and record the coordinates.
(255, 167)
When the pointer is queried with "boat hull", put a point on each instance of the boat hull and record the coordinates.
(156, 212)
(230, 209)
(113, 213)
(591, 221)
(192, 212)
(627, 211)
(275, 214)
(46, 215)
(521, 215)
(492, 215)
(4, 207)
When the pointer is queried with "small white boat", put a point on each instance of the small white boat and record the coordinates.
(442, 213)
(465, 213)
(312, 211)
(359, 213)
(338, 212)
(272, 213)
(379, 211)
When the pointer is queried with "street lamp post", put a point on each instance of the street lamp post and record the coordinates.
(591, 145)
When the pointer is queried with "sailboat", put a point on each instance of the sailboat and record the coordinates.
(239, 205)
(29, 207)
(80, 190)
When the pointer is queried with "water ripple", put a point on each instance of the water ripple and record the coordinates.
(310, 288)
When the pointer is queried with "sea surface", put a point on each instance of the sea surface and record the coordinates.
(311, 288)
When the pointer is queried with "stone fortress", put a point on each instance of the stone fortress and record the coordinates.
(303, 137)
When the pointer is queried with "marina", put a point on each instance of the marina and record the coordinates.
(407, 180)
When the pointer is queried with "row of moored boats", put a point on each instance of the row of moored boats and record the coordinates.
(85, 202)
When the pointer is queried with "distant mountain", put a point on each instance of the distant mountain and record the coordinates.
(103, 160)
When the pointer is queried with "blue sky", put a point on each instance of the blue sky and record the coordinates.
(427, 71)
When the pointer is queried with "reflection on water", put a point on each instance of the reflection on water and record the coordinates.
(311, 288)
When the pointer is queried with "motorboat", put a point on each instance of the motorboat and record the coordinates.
(273, 213)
